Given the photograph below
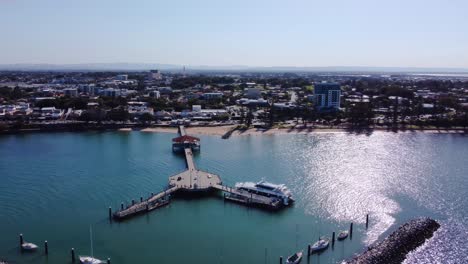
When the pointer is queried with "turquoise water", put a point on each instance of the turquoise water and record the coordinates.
(54, 186)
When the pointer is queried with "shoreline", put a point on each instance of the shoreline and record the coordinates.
(226, 131)
(223, 130)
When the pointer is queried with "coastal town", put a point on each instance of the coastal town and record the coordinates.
(82, 100)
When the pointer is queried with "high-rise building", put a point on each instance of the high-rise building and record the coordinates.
(327, 95)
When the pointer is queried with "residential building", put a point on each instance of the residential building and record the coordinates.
(111, 92)
(254, 93)
(155, 75)
(72, 92)
(327, 95)
(212, 96)
(121, 77)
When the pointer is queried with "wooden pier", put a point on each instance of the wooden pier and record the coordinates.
(194, 180)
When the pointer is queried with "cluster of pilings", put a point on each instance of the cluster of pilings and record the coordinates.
(350, 233)
(46, 250)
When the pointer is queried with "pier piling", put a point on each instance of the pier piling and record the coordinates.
(333, 239)
(73, 255)
(121, 207)
(133, 202)
(108, 261)
(367, 221)
(46, 248)
(21, 239)
(308, 251)
(351, 230)
(281, 260)
(141, 199)
(110, 213)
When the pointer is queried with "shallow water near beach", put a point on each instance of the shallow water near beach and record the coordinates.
(54, 186)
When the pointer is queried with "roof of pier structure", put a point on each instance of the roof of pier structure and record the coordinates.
(185, 138)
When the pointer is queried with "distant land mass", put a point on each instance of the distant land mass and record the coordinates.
(175, 67)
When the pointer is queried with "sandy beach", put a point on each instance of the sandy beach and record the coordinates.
(221, 130)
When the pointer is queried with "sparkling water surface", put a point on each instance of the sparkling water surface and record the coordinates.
(54, 186)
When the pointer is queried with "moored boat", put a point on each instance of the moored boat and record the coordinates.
(90, 260)
(343, 235)
(295, 258)
(320, 245)
(29, 246)
(264, 188)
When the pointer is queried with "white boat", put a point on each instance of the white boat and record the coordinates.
(294, 259)
(343, 235)
(320, 245)
(29, 246)
(267, 189)
(90, 259)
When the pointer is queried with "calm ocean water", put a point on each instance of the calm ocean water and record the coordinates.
(54, 186)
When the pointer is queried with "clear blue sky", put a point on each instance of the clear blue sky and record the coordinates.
(407, 33)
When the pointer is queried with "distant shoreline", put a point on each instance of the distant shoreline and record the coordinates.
(221, 130)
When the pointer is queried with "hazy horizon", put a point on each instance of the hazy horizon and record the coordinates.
(362, 33)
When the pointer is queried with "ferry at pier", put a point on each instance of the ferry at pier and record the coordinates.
(268, 189)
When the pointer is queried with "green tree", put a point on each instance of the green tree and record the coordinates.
(146, 118)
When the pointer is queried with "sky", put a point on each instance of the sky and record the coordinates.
(301, 33)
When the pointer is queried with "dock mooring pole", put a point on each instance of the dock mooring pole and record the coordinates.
(351, 230)
(46, 248)
(110, 213)
(367, 221)
(108, 261)
(21, 239)
(141, 199)
(73, 255)
(308, 251)
(333, 239)
(281, 260)
(121, 207)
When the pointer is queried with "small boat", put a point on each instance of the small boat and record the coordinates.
(29, 246)
(294, 259)
(320, 245)
(343, 235)
(90, 259)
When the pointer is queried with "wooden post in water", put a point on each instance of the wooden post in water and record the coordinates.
(333, 239)
(110, 213)
(21, 240)
(351, 230)
(308, 251)
(46, 248)
(133, 202)
(141, 199)
(73, 255)
(281, 260)
(367, 221)
(108, 260)
(121, 207)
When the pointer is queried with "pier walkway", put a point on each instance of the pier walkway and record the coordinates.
(191, 179)
(194, 180)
